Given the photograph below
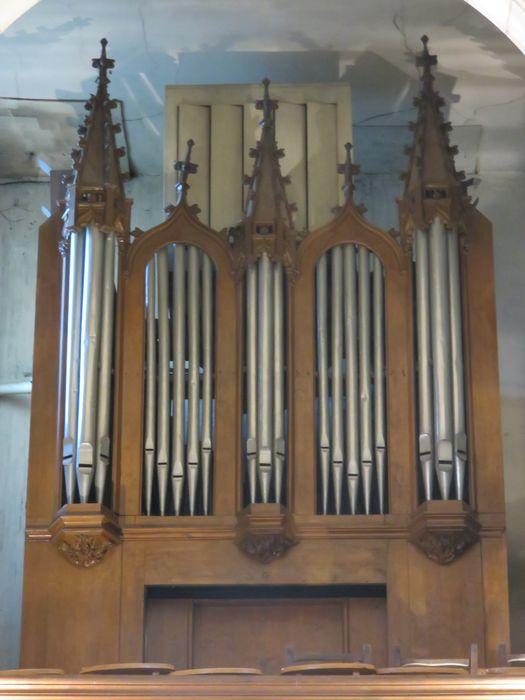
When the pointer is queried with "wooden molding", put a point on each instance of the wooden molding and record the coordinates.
(265, 531)
(444, 530)
(84, 533)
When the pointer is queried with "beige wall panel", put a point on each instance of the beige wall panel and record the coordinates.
(290, 128)
(194, 123)
(322, 163)
(184, 102)
(226, 166)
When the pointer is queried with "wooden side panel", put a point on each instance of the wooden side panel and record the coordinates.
(486, 449)
(496, 596)
(71, 614)
(225, 166)
(132, 602)
(44, 471)
(194, 123)
(446, 606)
(322, 163)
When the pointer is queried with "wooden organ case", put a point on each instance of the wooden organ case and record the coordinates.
(250, 439)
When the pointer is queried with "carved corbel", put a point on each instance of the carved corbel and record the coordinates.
(265, 531)
(84, 533)
(444, 530)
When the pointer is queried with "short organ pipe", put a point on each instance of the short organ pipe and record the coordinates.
(352, 375)
(179, 375)
(364, 375)
(193, 379)
(163, 392)
(337, 375)
(322, 378)
(151, 381)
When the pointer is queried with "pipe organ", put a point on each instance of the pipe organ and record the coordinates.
(260, 429)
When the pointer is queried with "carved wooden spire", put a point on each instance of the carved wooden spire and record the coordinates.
(348, 169)
(433, 186)
(97, 193)
(267, 224)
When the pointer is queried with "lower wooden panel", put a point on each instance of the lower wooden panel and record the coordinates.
(260, 633)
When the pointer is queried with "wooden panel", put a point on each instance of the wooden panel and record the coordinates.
(496, 596)
(446, 605)
(256, 633)
(290, 130)
(74, 618)
(226, 166)
(194, 123)
(322, 161)
(167, 637)
(367, 624)
(291, 135)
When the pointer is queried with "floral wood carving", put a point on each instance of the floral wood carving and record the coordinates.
(85, 532)
(265, 548)
(444, 548)
(444, 530)
(84, 550)
(265, 531)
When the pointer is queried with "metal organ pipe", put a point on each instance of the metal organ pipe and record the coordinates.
(163, 391)
(104, 378)
(74, 316)
(352, 375)
(458, 394)
(251, 379)
(322, 377)
(265, 384)
(379, 385)
(424, 351)
(193, 379)
(89, 357)
(364, 375)
(337, 378)
(179, 375)
(206, 444)
(279, 388)
(151, 380)
(441, 351)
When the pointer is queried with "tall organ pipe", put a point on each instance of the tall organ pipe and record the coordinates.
(458, 394)
(364, 375)
(251, 379)
(322, 377)
(89, 358)
(278, 396)
(265, 319)
(441, 351)
(151, 379)
(74, 316)
(193, 383)
(352, 375)
(337, 376)
(179, 376)
(163, 393)
(424, 352)
(104, 379)
(206, 378)
(379, 384)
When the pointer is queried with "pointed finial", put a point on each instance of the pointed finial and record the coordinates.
(348, 169)
(266, 105)
(103, 64)
(426, 60)
(185, 168)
